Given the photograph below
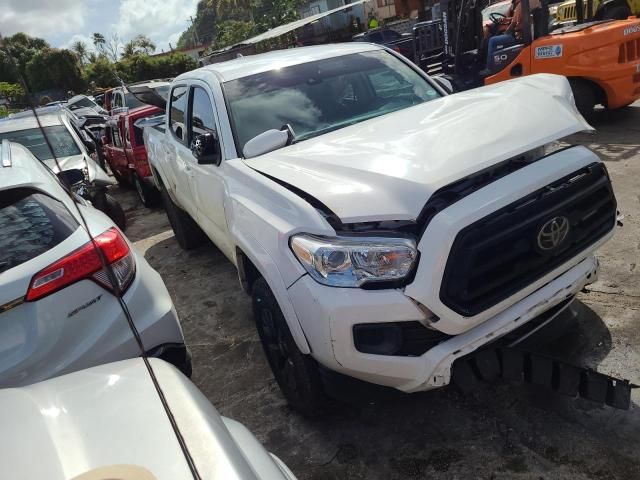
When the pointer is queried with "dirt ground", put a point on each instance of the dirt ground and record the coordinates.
(502, 431)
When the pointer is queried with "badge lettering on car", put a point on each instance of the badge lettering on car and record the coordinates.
(632, 29)
(86, 305)
(549, 51)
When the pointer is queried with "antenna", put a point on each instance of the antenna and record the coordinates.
(107, 267)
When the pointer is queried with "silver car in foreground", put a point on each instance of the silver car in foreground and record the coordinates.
(57, 310)
(108, 422)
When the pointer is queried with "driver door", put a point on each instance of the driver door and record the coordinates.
(208, 179)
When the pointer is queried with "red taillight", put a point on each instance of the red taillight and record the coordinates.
(85, 263)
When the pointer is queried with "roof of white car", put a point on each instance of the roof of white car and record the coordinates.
(252, 64)
(18, 166)
(29, 121)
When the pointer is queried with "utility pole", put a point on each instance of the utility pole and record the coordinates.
(195, 32)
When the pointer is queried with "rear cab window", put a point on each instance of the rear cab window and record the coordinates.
(31, 223)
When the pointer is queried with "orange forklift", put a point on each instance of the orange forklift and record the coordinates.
(600, 58)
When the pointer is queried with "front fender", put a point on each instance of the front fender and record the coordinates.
(268, 269)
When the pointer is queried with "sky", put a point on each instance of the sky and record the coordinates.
(62, 22)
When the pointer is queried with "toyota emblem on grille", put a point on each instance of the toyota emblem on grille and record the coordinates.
(553, 233)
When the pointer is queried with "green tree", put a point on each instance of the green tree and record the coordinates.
(80, 49)
(274, 13)
(21, 48)
(101, 72)
(144, 44)
(233, 31)
(141, 44)
(143, 67)
(203, 28)
(99, 42)
(54, 68)
(12, 91)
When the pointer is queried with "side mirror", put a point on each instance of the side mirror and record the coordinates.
(265, 142)
(445, 83)
(206, 149)
(71, 177)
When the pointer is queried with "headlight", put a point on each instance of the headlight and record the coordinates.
(352, 262)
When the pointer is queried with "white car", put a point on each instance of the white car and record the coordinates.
(108, 422)
(57, 310)
(384, 228)
(82, 101)
(70, 151)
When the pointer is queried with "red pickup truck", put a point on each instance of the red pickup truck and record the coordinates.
(125, 152)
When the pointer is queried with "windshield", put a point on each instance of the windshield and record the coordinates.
(61, 140)
(325, 95)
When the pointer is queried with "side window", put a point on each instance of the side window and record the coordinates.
(375, 37)
(116, 100)
(177, 111)
(202, 118)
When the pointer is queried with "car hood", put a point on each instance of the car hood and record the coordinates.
(112, 415)
(386, 168)
(96, 173)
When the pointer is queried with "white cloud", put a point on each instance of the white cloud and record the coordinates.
(162, 22)
(42, 18)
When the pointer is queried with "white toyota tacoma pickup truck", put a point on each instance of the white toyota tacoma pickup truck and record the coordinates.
(383, 228)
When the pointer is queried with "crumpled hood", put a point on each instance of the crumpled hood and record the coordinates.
(96, 173)
(386, 168)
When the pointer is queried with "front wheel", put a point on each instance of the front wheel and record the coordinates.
(297, 374)
(584, 95)
(187, 232)
(148, 195)
(110, 206)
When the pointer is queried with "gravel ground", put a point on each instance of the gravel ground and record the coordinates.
(501, 431)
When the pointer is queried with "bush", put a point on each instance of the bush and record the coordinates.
(143, 67)
(101, 73)
(54, 68)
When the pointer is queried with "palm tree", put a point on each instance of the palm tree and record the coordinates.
(145, 44)
(129, 49)
(80, 49)
(92, 57)
(99, 41)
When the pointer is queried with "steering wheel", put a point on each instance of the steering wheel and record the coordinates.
(497, 17)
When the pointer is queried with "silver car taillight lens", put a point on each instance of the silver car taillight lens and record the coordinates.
(84, 263)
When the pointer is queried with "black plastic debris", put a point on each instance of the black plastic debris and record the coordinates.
(526, 367)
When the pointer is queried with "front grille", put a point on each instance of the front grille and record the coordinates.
(566, 13)
(629, 51)
(499, 255)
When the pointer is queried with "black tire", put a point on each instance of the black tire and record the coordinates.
(122, 180)
(297, 374)
(584, 95)
(110, 206)
(148, 194)
(620, 12)
(186, 230)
